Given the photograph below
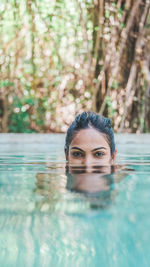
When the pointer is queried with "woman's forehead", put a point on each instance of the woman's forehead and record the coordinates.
(89, 137)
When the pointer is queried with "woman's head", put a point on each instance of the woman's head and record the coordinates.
(90, 140)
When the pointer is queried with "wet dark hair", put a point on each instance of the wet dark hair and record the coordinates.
(90, 120)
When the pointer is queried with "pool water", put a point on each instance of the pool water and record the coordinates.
(48, 219)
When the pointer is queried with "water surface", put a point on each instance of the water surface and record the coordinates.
(47, 220)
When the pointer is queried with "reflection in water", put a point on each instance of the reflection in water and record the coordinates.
(51, 188)
(96, 185)
(94, 188)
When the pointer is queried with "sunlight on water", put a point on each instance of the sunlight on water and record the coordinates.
(51, 217)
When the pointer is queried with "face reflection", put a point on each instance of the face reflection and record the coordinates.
(89, 148)
(94, 181)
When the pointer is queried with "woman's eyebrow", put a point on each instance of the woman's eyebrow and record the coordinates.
(75, 147)
(101, 147)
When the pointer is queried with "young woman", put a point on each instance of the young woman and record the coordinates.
(90, 141)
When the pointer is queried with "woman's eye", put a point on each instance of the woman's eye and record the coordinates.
(77, 154)
(99, 154)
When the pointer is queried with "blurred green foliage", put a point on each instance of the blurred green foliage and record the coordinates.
(52, 55)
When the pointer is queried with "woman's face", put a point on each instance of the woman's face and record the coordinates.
(89, 148)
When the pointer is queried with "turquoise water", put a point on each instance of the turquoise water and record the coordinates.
(46, 220)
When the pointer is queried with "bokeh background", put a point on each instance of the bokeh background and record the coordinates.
(60, 57)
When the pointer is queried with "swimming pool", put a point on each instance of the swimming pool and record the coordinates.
(45, 223)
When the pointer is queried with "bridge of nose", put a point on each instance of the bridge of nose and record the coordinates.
(88, 160)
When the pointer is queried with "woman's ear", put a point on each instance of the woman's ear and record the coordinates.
(114, 155)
